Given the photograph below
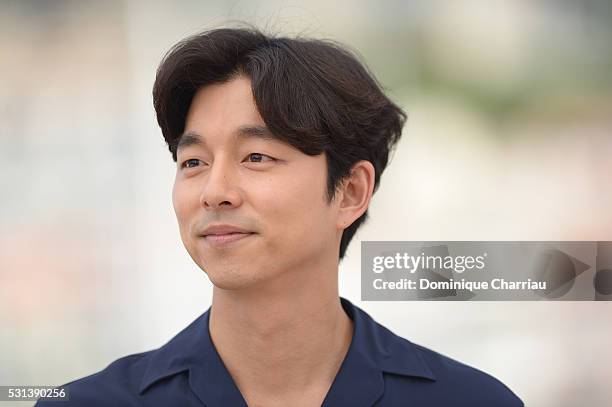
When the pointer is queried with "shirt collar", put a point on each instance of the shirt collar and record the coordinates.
(373, 350)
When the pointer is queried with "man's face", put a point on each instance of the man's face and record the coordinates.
(261, 185)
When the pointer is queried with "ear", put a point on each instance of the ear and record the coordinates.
(355, 193)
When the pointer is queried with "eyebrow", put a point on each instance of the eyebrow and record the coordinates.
(243, 132)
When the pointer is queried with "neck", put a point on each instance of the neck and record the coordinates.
(289, 334)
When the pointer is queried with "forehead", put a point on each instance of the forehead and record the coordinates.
(223, 105)
(224, 109)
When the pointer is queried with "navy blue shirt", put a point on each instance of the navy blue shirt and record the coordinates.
(380, 369)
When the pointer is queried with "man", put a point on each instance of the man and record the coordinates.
(279, 144)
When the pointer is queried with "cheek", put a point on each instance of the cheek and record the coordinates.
(177, 202)
(296, 213)
(183, 201)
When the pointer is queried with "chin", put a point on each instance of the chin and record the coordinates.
(231, 280)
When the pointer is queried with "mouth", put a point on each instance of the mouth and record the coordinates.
(222, 240)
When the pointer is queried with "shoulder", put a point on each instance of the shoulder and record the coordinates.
(462, 385)
(427, 378)
(129, 381)
(117, 384)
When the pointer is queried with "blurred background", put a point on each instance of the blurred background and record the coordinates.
(509, 137)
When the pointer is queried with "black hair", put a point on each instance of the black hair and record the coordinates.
(313, 94)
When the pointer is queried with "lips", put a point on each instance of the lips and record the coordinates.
(223, 229)
(221, 234)
(221, 240)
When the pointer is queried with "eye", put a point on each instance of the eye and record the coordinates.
(190, 163)
(259, 157)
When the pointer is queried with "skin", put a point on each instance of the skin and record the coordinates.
(276, 319)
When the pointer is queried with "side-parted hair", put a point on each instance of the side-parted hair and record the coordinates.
(312, 94)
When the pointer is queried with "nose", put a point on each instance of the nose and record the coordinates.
(220, 187)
